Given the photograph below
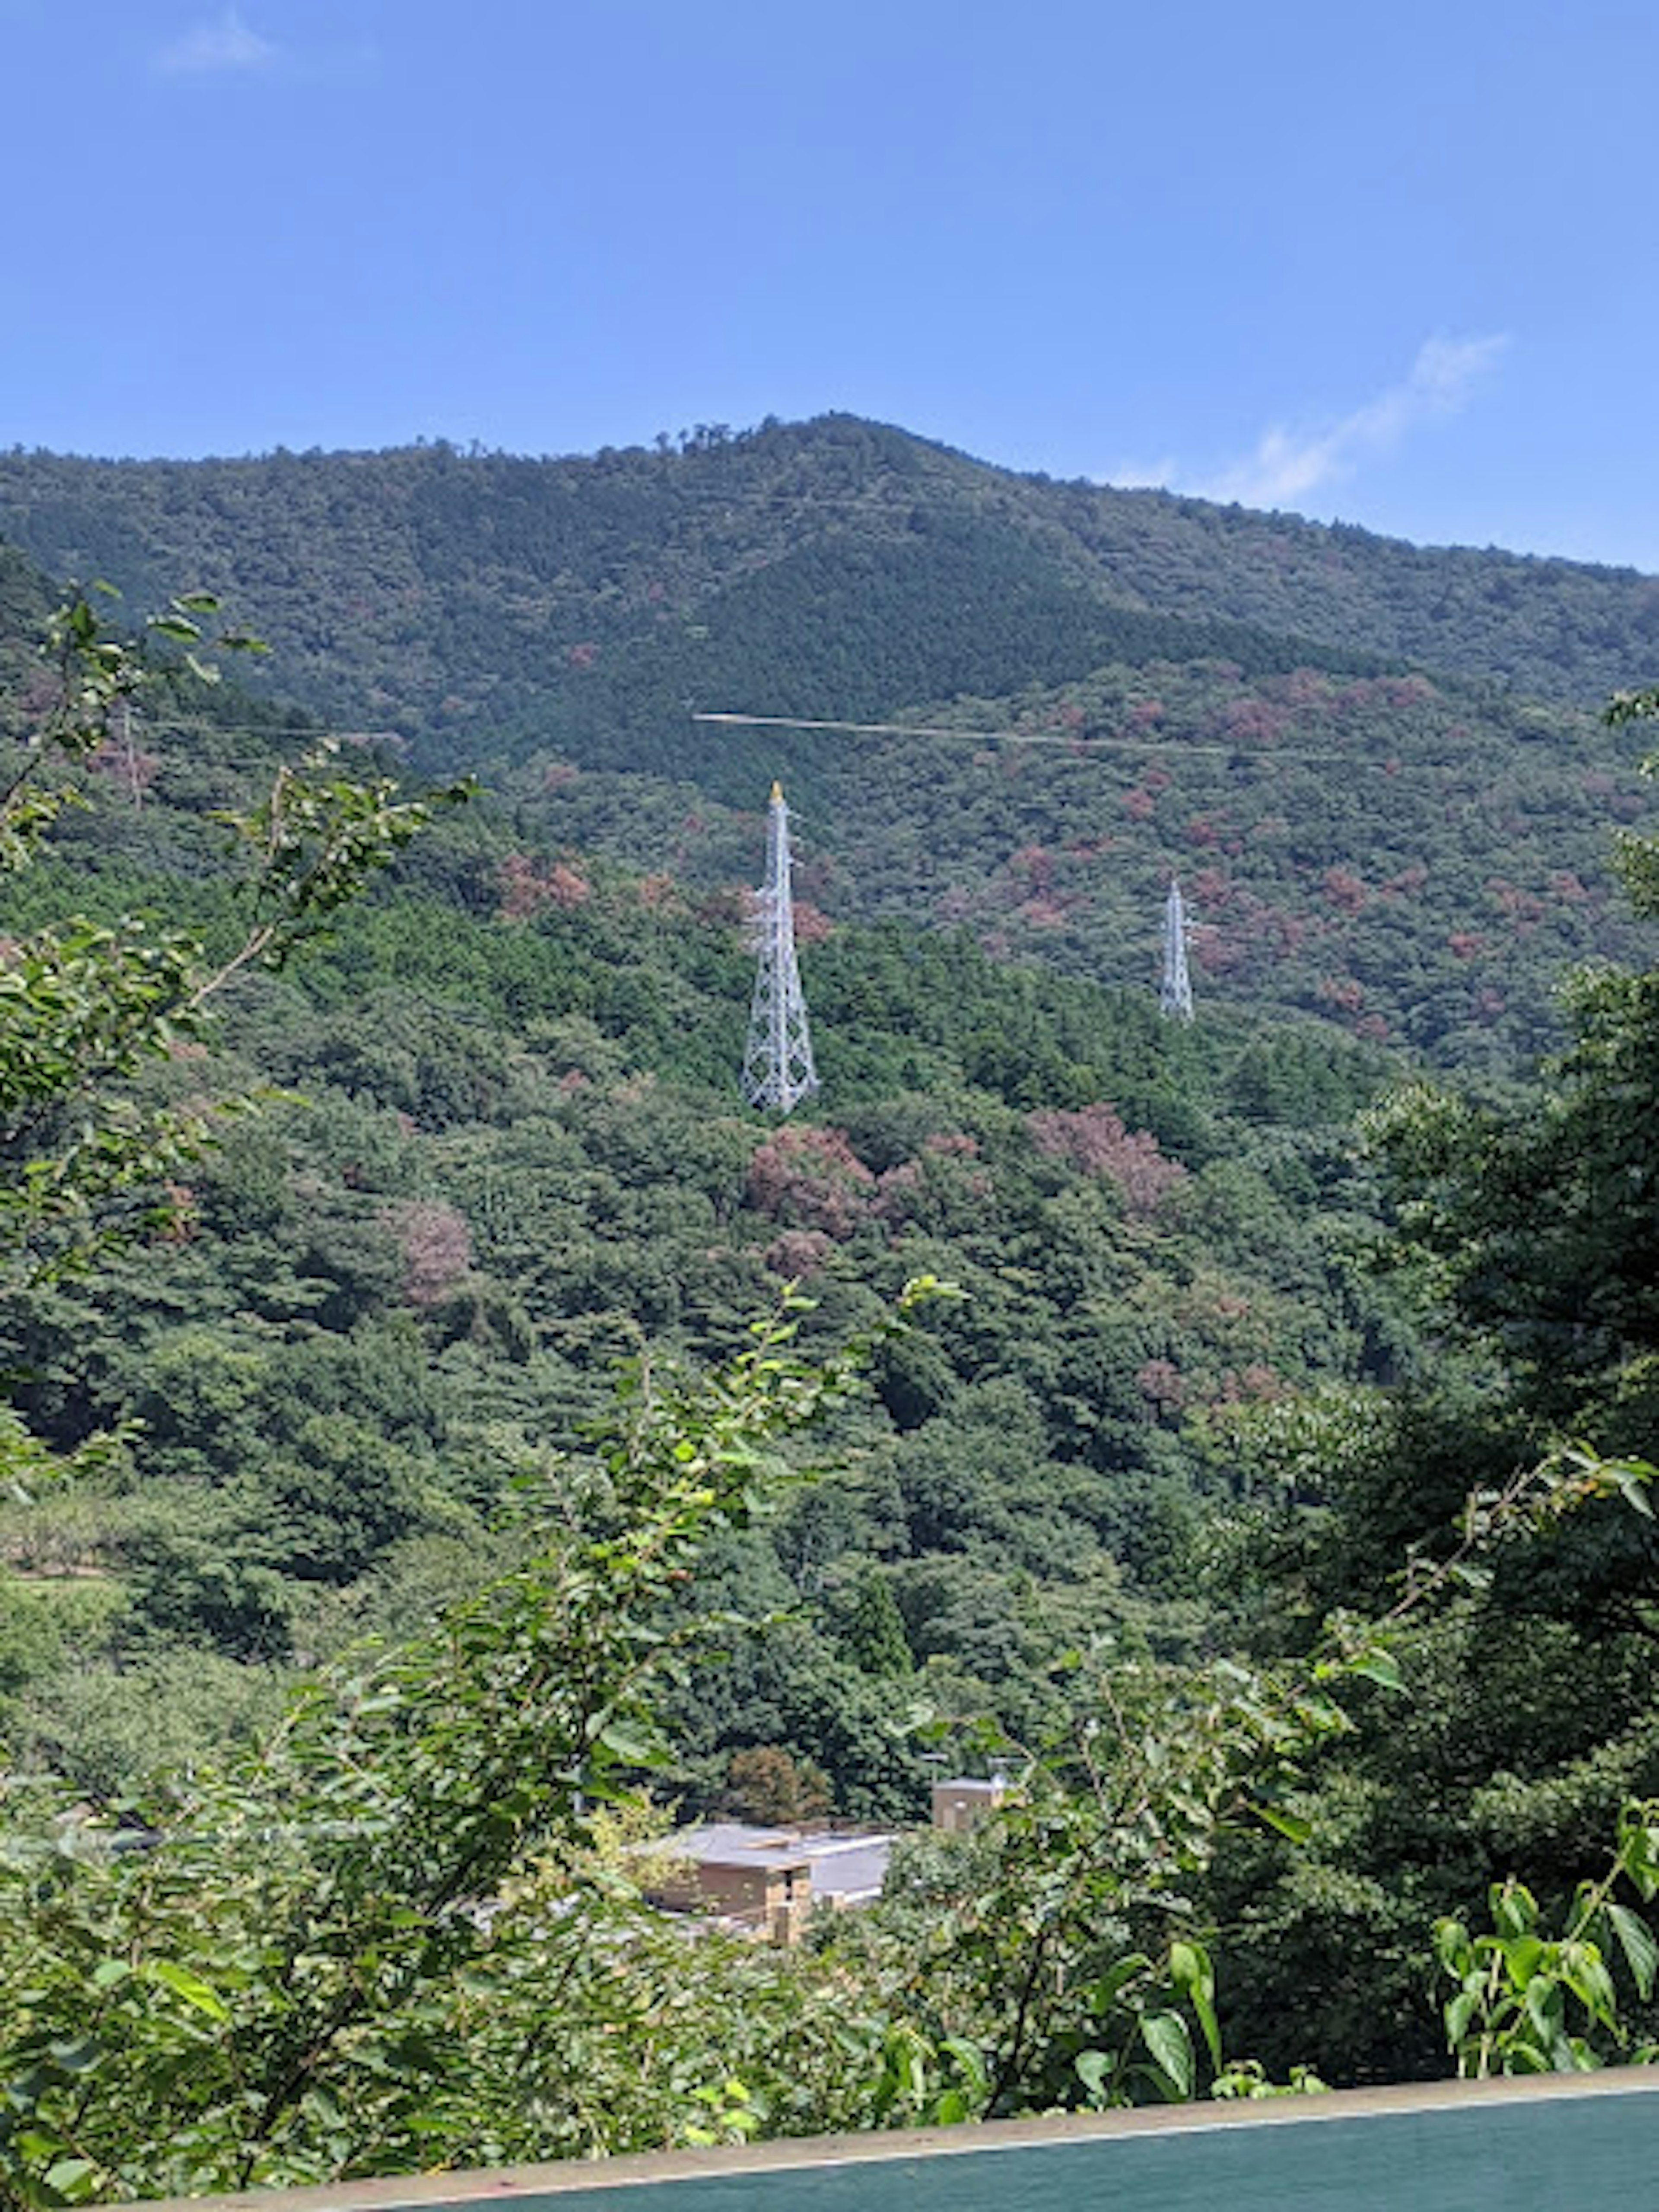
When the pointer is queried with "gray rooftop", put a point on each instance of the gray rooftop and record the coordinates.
(731, 1843)
(843, 1866)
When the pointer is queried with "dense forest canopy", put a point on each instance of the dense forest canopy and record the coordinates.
(1382, 767)
(1241, 1313)
(402, 566)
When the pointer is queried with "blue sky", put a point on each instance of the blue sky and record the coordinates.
(1392, 264)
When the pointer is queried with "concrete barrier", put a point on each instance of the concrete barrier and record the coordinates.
(1558, 2141)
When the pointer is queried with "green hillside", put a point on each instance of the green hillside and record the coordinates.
(1379, 769)
(1217, 1365)
(414, 578)
(1411, 859)
(508, 1149)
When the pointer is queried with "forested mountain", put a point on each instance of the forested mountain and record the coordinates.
(1380, 768)
(435, 584)
(508, 1148)
(1217, 1367)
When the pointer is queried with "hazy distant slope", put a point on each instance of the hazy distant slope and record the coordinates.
(831, 567)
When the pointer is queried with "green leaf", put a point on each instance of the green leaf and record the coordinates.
(1634, 1487)
(1514, 1908)
(1525, 2058)
(628, 1741)
(1545, 2005)
(1381, 1667)
(970, 2061)
(1290, 1824)
(1093, 2067)
(1104, 1992)
(1639, 1848)
(1190, 1969)
(1165, 2035)
(1636, 1941)
(1587, 1976)
(1522, 1955)
(1452, 1947)
(1194, 1977)
(191, 1987)
(65, 2175)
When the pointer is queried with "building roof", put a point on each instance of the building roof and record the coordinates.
(732, 1843)
(843, 1866)
(848, 1868)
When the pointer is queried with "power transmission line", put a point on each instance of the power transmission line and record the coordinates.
(1079, 746)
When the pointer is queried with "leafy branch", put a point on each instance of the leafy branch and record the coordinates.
(1517, 1988)
(83, 1006)
(1034, 1958)
(287, 1949)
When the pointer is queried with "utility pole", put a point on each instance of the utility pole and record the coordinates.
(1175, 993)
(777, 1061)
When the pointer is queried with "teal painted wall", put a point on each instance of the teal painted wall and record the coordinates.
(1560, 2153)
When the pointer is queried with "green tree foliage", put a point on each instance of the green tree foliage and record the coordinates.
(1529, 1232)
(321, 1961)
(1540, 1227)
(94, 1153)
(484, 558)
(311, 1963)
(1142, 1495)
(1521, 1992)
(515, 1147)
(1376, 766)
(83, 1005)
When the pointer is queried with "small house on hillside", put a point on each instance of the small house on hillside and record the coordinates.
(768, 1880)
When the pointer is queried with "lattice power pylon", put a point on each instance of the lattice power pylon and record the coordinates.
(777, 1063)
(1175, 992)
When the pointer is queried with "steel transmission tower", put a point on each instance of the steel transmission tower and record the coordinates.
(777, 1061)
(1175, 992)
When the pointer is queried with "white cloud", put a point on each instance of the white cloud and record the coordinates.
(212, 49)
(1288, 465)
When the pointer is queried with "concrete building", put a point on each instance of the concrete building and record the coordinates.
(768, 1880)
(962, 1802)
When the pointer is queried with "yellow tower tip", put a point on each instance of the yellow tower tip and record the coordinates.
(777, 793)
